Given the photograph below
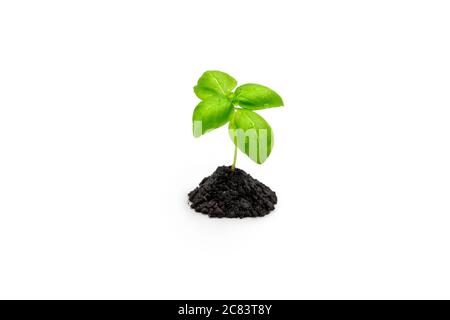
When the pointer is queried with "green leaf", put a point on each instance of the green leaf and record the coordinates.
(210, 114)
(252, 134)
(214, 83)
(254, 97)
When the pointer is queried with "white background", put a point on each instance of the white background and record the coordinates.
(97, 155)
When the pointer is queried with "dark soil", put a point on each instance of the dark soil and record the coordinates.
(228, 194)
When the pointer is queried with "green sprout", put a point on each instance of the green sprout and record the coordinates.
(220, 105)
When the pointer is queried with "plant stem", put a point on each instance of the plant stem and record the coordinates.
(234, 160)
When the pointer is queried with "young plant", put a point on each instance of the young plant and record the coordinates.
(220, 105)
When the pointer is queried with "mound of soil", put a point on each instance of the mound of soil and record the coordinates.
(228, 194)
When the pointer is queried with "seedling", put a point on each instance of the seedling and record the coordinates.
(249, 131)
